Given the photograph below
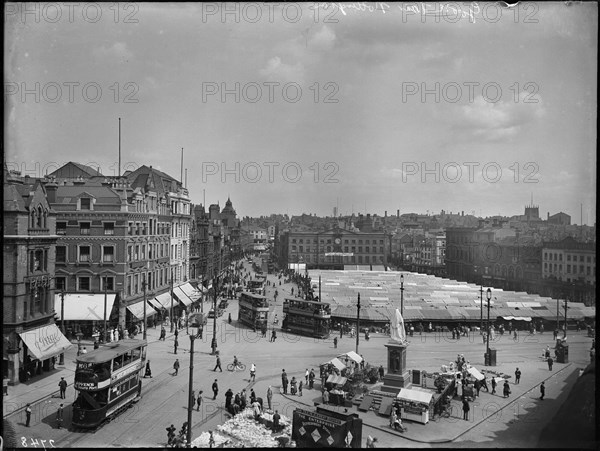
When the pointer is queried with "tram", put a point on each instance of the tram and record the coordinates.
(304, 317)
(253, 310)
(256, 286)
(108, 380)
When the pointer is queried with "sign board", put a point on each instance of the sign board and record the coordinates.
(322, 430)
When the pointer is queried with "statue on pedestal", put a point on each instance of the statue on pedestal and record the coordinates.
(397, 332)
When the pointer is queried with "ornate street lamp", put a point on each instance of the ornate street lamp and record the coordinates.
(488, 295)
(402, 295)
(357, 322)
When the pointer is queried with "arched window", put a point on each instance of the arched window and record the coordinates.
(40, 217)
(32, 219)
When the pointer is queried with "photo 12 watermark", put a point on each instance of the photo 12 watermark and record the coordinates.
(71, 92)
(270, 172)
(468, 171)
(70, 12)
(469, 91)
(269, 92)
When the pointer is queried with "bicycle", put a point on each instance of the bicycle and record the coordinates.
(444, 412)
(240, 366)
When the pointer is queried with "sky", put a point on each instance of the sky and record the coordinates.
(299, 108)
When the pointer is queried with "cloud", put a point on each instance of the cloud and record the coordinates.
(322, 39)
(277, 70)
(117, 51)
(503, 119)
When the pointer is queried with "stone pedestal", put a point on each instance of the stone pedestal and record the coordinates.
(397, 376)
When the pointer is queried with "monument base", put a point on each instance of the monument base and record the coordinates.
(393, 382)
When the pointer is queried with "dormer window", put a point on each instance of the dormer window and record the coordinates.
(86, 203)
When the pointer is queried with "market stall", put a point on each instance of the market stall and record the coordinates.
(414, 405)
(335, 384)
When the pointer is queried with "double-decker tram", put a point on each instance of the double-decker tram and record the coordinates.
(108, 380)
(253, 310)
(304, 317)
(256, 286)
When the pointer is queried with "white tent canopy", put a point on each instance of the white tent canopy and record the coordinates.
(351, 355)
(414, 395)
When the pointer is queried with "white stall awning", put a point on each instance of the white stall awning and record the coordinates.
(84, 307)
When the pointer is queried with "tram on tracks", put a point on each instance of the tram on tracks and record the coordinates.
(302, 317)
(108, 381)
(253, 310)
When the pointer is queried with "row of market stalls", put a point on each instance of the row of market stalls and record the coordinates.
(428, 298)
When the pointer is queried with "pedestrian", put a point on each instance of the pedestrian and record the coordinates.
(63, 388)
(506, 389)
(515, 335)
(229, 319)
(273, 336)
(284, 381)
(163, 333)
(211, 439)
(228, 398)
(27, 415)
(466, 409)
(243, 399)
(84, 350)
(59, 416)
(493, 385)
(175, 344)
(306, 374)
(311, 378)
(276, 418)
(293, 385)
(381, 372)
(253, 372)
(176, 331)
(550, 362)
(170, 435)
(252, 396)
(542, 391)
(218, 365)
(371, 441)
(269, 397)
(215, 389)
(176, 366)
(517, 376)
(148, 372)
(335, 342)
(199, 400)
(300, 388)
(325, 396)
(96, 344)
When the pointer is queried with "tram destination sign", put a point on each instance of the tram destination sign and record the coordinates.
(319, 430)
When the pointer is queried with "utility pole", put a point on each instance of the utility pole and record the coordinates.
(565, 329)
(357, 322)
(402, 295)
(105, 295)
(481, 306)
(61, 359)
(172, 319)
(144, 284)
(191, 399)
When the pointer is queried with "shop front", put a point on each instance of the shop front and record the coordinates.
(136, 313)
(84, 314)
(414, 405)
(40, 348)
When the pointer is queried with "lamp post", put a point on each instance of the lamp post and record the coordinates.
(565, 329)
(488, 295)
(557, 313)
(144, 284)
(61, 359)
(215, 287)
(105, 295)
(402, 295)
(191, 399)
(357, 322)
(171, 317)
(481, 306)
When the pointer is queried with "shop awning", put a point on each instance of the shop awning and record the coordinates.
(415, 396)
(190, 291)
(351, 355)
(45, 342)
(337, 380)
(137, 310)
(165, 300)
(84, 307)
(182, 296)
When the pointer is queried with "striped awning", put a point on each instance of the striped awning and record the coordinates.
(137, 310)
(190, 291)
(182, 296)
(165, 300)
(337, 380)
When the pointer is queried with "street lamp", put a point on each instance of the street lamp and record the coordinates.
(565, 330)
(357, 322)
(144, 284)
(402, 295)
(215, 287)
(488, 295)
(105, 295)
(481, 307)
(61, 359)
(191, 399)
(171, 317)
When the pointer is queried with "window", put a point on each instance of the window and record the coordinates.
(143, 252)
(560, 257)
(367, 249)
(129, 253)
(84, 254)
(83, 284)
(367, 242)
(130, 228)
(136, 255)
(381, 249)
(568, 257)
(61, 228)
(61, 254)
(86, 203)
(107, 283)
(108, 254)
(581, 258)
(109, 228)
(359, 241)
(61, 283)
(360, 248)
(84, 228)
